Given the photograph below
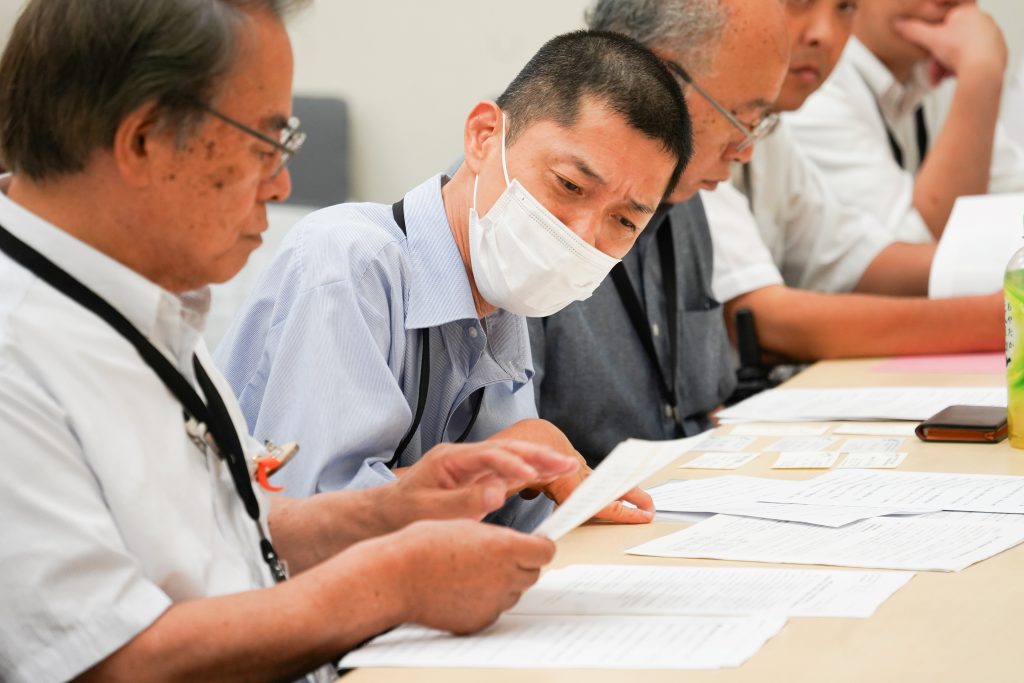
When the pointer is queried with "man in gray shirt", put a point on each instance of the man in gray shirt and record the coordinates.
(647, 356)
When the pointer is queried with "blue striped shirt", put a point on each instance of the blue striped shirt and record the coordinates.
(326, 350)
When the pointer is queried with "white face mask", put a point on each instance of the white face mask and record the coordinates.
(525, 260)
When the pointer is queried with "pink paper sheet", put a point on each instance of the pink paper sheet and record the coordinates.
(976, 363)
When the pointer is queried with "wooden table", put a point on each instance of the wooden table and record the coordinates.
(967, 626)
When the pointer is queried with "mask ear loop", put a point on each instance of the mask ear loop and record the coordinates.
(504, 166)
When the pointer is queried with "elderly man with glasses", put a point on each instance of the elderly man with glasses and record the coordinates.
(136, 544)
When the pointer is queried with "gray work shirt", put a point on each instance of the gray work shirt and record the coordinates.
(594, 380)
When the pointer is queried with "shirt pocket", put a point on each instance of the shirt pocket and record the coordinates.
(708, 374)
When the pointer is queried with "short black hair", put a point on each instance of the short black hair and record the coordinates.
(73, 69)
(616, 71)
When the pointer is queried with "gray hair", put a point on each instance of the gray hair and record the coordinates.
(688, 29)
(73, 69)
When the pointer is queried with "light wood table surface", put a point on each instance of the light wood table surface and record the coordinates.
(964, 626)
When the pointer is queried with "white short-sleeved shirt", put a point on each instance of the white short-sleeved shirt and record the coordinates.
(778, 222)
(1013, 106)
(111, 513)
(841, 130)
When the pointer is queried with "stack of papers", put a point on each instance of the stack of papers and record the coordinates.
(881, 543)
(964, 492)
(639, 617)
(817, 405)
(519, 641)
(702, 591)
(746, 496)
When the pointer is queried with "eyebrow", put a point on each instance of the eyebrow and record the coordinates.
(275, 122)
(759, 103)
(586, 170)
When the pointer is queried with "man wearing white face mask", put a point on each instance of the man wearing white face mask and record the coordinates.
(381, 331)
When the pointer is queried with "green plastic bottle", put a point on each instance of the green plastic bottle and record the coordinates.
(1013, 291)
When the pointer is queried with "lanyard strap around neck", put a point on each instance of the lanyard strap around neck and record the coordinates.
(214, 416)
(921, 133)
(642, 325)
(398, 212)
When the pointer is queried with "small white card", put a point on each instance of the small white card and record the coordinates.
(775, 429)
(893, 428)
(725, 444)
(808, 460)
(719, 461)
(802, 444)
(890, 445)
(872, 461)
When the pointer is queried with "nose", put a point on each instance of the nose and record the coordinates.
(821, 29)
(277, 187)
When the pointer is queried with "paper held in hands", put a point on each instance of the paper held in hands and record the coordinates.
(627, 465)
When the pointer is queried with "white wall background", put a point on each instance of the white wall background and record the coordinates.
(411, 70)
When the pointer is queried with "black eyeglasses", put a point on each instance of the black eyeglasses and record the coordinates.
(288, 145)
(760, 129)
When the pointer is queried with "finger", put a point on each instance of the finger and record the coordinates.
(524, 578)
(623, 514)
(487, 460)
(531, 552)
(916, 31)
(548, 462)
(640, 498)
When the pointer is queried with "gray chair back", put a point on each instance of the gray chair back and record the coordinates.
(320, 172)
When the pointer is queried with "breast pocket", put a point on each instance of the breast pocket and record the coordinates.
(707, 373)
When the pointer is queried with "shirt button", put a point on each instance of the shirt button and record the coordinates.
(668, 410)
(655, 329)
(472, 332)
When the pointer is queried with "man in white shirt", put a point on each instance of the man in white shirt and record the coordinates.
(145, 138)
(779, 231)
(909, 121)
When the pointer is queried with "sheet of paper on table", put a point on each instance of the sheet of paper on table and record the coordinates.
(738, 495)
(725, 444)
(872, 461)
(876, 428)
(981, 234)
(648, 590)
(879, 445)
(871, 403)
(805, 460)
(776, 429)
(909, 543)
(518, 641)
(627, 465)
(719, 461)
(965, 492)
(801, 443)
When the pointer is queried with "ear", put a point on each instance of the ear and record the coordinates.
(483, 130)
(139, 143)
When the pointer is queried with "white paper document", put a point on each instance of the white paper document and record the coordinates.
(627, 465)
(879, 543)
(872, 403)
(940, 491)
(719, 461)
(778, 430)
(805, 460)
(981, 234)
(872, 461)
(876, 428)
(725, 444)
(738, 495)
(519, 641)
(801, 443)
(890, 445)
(646, 590)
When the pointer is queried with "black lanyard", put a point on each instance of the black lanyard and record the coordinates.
(398, 211)
(638, 316)
(214, 416)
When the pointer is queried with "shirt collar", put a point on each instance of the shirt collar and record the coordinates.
(895, 99)
(172, 321)
(439, 289)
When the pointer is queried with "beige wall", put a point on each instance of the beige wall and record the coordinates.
(411, 70)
